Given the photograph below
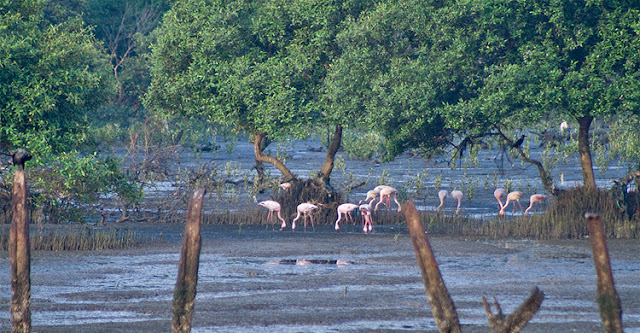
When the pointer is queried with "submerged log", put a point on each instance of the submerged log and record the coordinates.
(499, 323)
(442, 307)
(20, 256)
(606, 295)
(185, 291)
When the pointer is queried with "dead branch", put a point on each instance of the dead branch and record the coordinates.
(512, 323)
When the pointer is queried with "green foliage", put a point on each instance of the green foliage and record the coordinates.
(51, 75)
(362, 145)
(255, 65)
(71, 182)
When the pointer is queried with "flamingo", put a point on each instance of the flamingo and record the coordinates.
(458, 196)
(304, 209)
(533, 199)
(386, 192)
(273, 206)
(345, 209)
(373, 194)
(367, 221)
(498, 194)
(512, 196)
(285, 186)
(442, 194)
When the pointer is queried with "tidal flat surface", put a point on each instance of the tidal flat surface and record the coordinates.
(256, 280)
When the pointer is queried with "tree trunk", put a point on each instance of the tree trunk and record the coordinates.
(260, 157)
(19, 249)
(584, 149)
(185, 290)
(442, 307)
(606, 295)
(325, 172)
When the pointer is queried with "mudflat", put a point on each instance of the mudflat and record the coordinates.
(257, 280)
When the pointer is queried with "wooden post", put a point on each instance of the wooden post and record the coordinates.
(185, 291)
(606, 295)
(20, 255)
(442, 307)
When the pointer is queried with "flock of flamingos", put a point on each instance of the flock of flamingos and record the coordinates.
(385, 193)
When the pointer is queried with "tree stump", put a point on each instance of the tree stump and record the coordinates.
(20, 256)
(185, 291)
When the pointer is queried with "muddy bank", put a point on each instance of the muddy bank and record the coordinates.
(252, 280)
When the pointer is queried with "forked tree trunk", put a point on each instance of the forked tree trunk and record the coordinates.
(327, 168)
(584, 150)
(260, 157)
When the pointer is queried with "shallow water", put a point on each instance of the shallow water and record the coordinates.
(477, 182)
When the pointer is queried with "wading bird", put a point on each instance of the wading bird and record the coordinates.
(442, 194)
(533, 199)
(345, 209)
(564, 126)
(285, 186)
(304, 209)
(273, 206)
(367, 221)
(373, 194)
(512, 196)
(458, 196)
(498, 194)
(386, 193)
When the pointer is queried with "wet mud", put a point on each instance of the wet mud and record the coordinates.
(252, 280)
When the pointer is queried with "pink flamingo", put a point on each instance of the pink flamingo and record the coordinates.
(442, 194)
(533, 199)
(304, 209)
(373, 194)
(512, 196)
(367, 221)
(498, 194)
(285, 186)
(458, 196)
(345, 209)
(273, 206)
(387, 192)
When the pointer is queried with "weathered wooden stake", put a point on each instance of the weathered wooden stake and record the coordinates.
(20, 255)
(606, 295)
(442, 307)
(185, 291)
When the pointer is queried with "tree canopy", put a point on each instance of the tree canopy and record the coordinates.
(429, 73)
(52, 74)
(256, 65)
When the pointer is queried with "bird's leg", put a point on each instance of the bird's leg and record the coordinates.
(312, 226)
